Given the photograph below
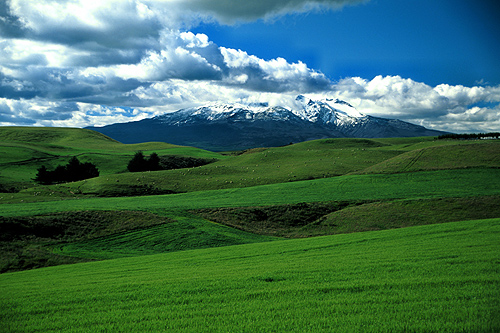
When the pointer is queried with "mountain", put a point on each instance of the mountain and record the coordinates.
(220, 127)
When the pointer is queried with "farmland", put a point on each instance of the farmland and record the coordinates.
(406, 237)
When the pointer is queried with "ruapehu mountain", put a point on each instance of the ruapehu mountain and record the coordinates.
(220, 127)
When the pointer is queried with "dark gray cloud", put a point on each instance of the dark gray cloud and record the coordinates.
(9, 116)
(10, 25)
(112, 23)
(230, 11)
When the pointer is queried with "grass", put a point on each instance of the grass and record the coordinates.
(428, 184)
(441, 157)
(25, 241)
(442, 277)
(278, 220)
(303, 161)
(169, 269)
(185, 233)
(328, 218)
(24, 149)
(401, 214)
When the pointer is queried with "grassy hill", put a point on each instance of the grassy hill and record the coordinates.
(24, 149)
(436, 278)
(214, 246)
(303, 161)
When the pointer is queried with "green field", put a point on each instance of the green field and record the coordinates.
(441, 277)
(343, 235)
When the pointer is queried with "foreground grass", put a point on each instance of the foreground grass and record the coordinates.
(441, 277)
(185, 233)
(25, 241)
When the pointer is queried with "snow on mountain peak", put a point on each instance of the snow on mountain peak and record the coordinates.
(344, 107)
(328, 111)
(324, 111)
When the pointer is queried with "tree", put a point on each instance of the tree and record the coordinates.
(89, 170)
(137, 163)
(72, 170)
(43, 175)
(154, 162)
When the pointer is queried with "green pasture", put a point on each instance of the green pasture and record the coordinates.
(303, 161)
(428, 184)
(338, 217)
(24, 149)
(393, 265)
(441, 157)
(436, 278)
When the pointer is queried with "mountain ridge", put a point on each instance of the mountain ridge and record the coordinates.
(221, 126)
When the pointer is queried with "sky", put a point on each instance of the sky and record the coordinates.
(77, 63)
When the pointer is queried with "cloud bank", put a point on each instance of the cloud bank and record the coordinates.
(80, 63)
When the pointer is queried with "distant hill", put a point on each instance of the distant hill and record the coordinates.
(69, 137)
(221, 127)
(25, 149)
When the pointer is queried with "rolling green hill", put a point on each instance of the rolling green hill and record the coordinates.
(303, 161)
(24, 149)
(441, 157)
(55, 137)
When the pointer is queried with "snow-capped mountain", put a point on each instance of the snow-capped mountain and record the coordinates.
(328, 111)
(221, 126)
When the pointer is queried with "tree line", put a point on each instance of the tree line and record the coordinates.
(71, 172)
(470, 136)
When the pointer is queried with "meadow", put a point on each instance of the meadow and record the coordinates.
(436, 278)
(369, 235)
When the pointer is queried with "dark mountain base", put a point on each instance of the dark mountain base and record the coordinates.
(227, 136)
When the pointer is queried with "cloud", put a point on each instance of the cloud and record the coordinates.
(230, 12)
(80, 63)
(83, 50)
(111, 23)
(444, 107)
(276, 75)
(191, 57)
(10, 25)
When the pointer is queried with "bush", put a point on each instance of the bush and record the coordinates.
(73, 171)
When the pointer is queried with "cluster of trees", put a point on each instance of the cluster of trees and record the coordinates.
(140, 163)
(471, 136)
(76, 170)
(152, 163)
(73, 171)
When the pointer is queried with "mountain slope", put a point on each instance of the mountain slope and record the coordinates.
(235, 126)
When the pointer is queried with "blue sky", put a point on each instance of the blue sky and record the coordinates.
(444, 41)
(84, 63)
